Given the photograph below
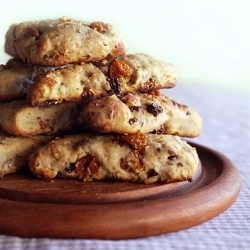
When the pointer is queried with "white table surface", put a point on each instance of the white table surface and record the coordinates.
(226, 128)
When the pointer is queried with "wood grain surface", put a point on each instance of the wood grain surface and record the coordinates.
(69, 209)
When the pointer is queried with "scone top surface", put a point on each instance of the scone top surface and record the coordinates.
(57, 42)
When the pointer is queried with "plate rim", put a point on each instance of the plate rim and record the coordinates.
(126, 220)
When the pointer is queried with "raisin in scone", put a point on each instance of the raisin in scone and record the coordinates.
(141, 113)
(19, 118)
(14, 151)
(16, 79)
(129, 73)
(57, 42)
(136, 158)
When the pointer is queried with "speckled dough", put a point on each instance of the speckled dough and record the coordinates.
(161, 158)
(129, 73)
(19, 118)
(62, 41)
(141, 113)
(14, 151)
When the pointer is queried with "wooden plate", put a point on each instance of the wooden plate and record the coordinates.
(72, 209)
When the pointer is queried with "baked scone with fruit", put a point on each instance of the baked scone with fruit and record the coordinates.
(19, 118)
(137, 158)
(15, 150)
(16, 79)
(141, 113)
(125, 74)
(57, 42)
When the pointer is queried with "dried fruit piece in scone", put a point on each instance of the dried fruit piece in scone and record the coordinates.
(57, 42)
(141, 113)
(130, 73)
(162, 158)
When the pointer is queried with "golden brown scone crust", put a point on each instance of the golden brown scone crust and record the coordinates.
(129, 73)
(159, 158)
(16, 79)
(71, 83)
(57, 42)
(14, 151)
(19, 118)
(141, 113)
(145, 69)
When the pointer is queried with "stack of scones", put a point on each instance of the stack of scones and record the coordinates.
(74, 104)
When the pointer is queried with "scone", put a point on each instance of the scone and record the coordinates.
(141, 113)
(16, 79)
(19, 118)
(14, 151)
(128, 73)
(136, 158)
(57, 42)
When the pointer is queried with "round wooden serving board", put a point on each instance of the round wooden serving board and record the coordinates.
(32, 207)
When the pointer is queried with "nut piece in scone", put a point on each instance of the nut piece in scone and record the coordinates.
(159, 158)
(15, 150)
(129, 73)
(141, 113)
(57, 42)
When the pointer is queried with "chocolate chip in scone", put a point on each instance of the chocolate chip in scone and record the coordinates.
(70, 168)
(179, 164)
(136, 108)
(154, 109)
(59, 175)
(172, 155)
(132, 120)
(159, 131)
(159, 150)
(152, 172)
(87, 94)
(115, 87)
